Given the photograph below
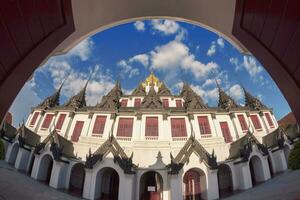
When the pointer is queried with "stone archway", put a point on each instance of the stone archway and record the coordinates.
(107, 184)
(256, 170)
(13, 154)
(225, 180)
(194, 184)
(151, 186)
(45, 169)
(77, 179)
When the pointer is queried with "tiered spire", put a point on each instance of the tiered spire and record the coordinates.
(78, 100)
(152, 100)
(252, 102)
(225, 101)
(139, 91)
(164, 91)
(192, 100)
(111, 100)
(52, 100)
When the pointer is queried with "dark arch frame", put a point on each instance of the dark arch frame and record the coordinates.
(143, 195)
(77, 178)
(225, 181)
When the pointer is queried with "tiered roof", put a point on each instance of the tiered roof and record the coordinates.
(152, 100)
(78, 100)
(225, 101)
(192, 100)
(52, 100)
(253, 102)
(111, 100)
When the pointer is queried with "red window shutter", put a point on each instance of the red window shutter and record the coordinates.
(178, 104)
(151, 126)
(125, 127)
(99, 125)
(242, 122)
(47, 120)
(77, 131)
(60, 121)
(166, 103)
(226, 132)
(255, 122)
(34, 118)
(137, 102)
(204, 125)
(178, 127)
(124, 102)
(270, 122)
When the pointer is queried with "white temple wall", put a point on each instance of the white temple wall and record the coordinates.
(12, 153)
(22, 159)
(80, 117)
(278, 161)
(91, 185)
(59, 175)
(224, 118)
(63, 130)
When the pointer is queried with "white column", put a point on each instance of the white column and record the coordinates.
(233, 117)
(88, 184)
(212, 184)
(176, 192)
(245, 178)
(278, 161)
(126, 187)
(22, 159)
(58, 175)
(35, 168)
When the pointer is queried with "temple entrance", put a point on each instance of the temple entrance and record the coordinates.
(13, 154)
(151, 186)
(225, 180)
(194, 184)
(45, 169)
(107, 184)
(286, 150)
(77, 179)
(256, 170)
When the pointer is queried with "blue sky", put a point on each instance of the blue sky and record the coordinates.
(175, 51)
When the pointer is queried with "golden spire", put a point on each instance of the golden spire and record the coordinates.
(152, 80)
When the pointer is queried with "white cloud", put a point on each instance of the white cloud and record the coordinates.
(207, 95)
(253, 68)
(167, 27)
(220, 42)
(141, 58)
(127, 69)
(22, 104)
(82, 50)
(236, 92)
(139, 25)
(177, 55)
(212, 49)
(99, 84)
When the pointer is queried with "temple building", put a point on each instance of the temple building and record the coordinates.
(150, 145)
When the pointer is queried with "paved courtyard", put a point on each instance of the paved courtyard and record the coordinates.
(17, 186)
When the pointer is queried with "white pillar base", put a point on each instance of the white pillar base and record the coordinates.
(212, 184)
(58, 175)
(22, 159)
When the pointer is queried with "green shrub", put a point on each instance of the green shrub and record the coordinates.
(2, 150)
(294, 157)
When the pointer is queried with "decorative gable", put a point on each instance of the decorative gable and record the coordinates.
(152, 100)
(111, 146)
(191, 146)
